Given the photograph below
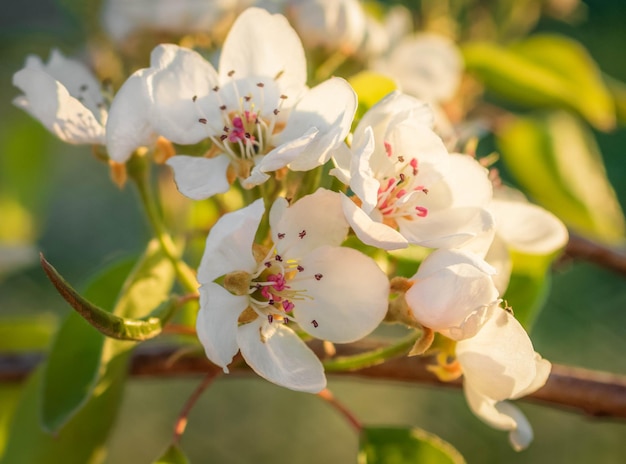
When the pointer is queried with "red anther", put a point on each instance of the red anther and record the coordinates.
(315, 324)
(300, 268)
(302, 234)
(276, 111)
(260, 84)
(281, 235)
(216, 88)
(279, 258)
(223, 107)
(194, 98)
(231, 72)
(318, 276)
(202, 121)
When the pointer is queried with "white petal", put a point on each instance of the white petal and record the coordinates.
(216, 323)
(369, 231)
(263, 45)
(77, 79)
(49, 101)
(393, 105)
(363, 183)
(449, 287)
(528, 228)
(312, 221)
(346, 301)
(468, 181)
(128, 125)
(280, 356)
(330, 108)
(499, 257)
(177, 75)
(427, 66)
(229, 244)
(499, 361)
(199, 178)
(502, 416)
(280, 157)
(450, 228)
(341, 159)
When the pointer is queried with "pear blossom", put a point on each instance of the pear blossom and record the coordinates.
(64, 96)
(500, 363)
(249, 294)
(330, 24)
(256, 110)
(121, 18)
(407, 188)
(451, 291)
(521, 227)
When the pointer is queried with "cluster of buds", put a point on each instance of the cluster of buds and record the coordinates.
(397, 185)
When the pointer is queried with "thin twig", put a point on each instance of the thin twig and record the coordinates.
(327, 396)
(602, 255)
(595, 393)
(181, 422)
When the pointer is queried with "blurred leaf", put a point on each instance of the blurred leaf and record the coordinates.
(618, 91)
(26, 334)
(555, 158)
(78, 346)
(87, 351)
(544, 71)
(528, 287)
(173, 455)
(405, 446)
(370, 87)
(25, 179)
(9, 397)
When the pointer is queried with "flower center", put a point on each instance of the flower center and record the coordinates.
(400, 195)
(247, 122)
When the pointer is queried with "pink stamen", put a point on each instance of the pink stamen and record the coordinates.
(388, 149)
(421, 211)
(288, 306)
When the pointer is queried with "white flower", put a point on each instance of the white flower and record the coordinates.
(257, 110)
(500, 363)
(407, 188)
(65, 96)
(450, 292)
(523, 228)
(331, 24)
(122, 17)
(333, 293)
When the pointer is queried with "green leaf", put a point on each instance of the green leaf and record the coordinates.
(544, 71)
(121, 328)
(26, 334)
(529, 287)
(173, 455)
(405, 446)
(370, 87)
(555, 158)
(86, 351)
(618, 91)
(9, 397)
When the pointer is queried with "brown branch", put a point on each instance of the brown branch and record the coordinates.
(602, 255)
(592, 392)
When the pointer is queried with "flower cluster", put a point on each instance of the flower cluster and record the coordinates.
(396, 183)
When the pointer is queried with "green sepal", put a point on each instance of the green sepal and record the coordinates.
(403, 445)
(173, 455)
(109, 324)
(545, 70)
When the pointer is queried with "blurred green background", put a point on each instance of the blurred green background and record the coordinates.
(81, 222)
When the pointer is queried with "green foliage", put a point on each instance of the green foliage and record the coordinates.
(556, 160)
(405, 446)
(370, 87)
(26, 334)
(78, 393)
(544, 71)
